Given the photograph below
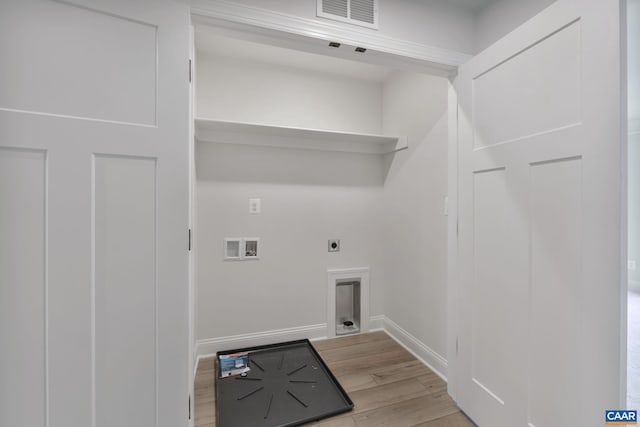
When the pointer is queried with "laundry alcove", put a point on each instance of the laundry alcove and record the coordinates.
(333, 148)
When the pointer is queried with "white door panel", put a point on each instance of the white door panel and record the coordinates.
(125, 324)
(516, 94)
(58, 73)
(23, 286)
(555, 257)
(93, 213)
(539, 219)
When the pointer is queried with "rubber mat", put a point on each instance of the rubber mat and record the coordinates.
(288, 385)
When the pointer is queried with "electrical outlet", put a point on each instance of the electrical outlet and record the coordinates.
(334, 245)
(631, 264)
(254, 206)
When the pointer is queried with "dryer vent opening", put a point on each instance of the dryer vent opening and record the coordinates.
(348, 306)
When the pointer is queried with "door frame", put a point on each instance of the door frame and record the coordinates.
(230, 16)
(453, 310)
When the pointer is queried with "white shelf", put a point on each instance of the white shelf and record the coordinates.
(226, 132)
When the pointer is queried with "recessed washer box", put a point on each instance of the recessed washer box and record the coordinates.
(241, 248)
(232, 248)
(251, 245)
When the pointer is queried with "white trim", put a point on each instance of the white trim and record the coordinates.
(333, 275)
(488, 391)
(376, 323)
(634, 285)
(634, 126)
(196, 360)
(206, 348)
(421, 351)
(452, 241)
(67, 116)
(209, 347)
(324, 30)
(191, 254)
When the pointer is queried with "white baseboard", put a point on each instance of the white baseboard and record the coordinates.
(421, 351)
(376, 323)
(196, 359)
(209, 347)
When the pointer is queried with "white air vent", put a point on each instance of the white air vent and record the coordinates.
(358, 12)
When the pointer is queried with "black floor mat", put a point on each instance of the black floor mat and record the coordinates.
(288, 385)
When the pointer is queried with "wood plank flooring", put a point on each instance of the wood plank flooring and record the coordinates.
(389, 387)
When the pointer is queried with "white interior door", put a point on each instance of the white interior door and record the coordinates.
(93, 213)
(540, 221)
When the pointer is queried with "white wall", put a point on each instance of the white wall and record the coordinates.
(386, 211)
(634, 209)
(633, 70)
(414, 222)
(503, 16)
(633, 73)
(307, 198)
(429, 22)
(241, 90)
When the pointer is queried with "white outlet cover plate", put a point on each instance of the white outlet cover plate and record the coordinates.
(254, 206)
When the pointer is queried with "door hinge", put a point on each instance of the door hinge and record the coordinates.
(189, 406)
(190, 71)
(189, 248)
(457, 229)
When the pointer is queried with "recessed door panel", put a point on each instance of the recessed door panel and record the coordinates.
(77, 61)
(125, 294)
(537, 90)
(23, 287)
(556, 293)
(492, 344)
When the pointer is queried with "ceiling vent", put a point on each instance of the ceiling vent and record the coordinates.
(358, 12)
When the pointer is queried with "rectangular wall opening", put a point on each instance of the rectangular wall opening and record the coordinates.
(348, 306)
(348, 301)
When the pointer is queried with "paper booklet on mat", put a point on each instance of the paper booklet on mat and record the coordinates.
(233, 364)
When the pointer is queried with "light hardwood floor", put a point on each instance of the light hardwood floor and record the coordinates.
(389, 387)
